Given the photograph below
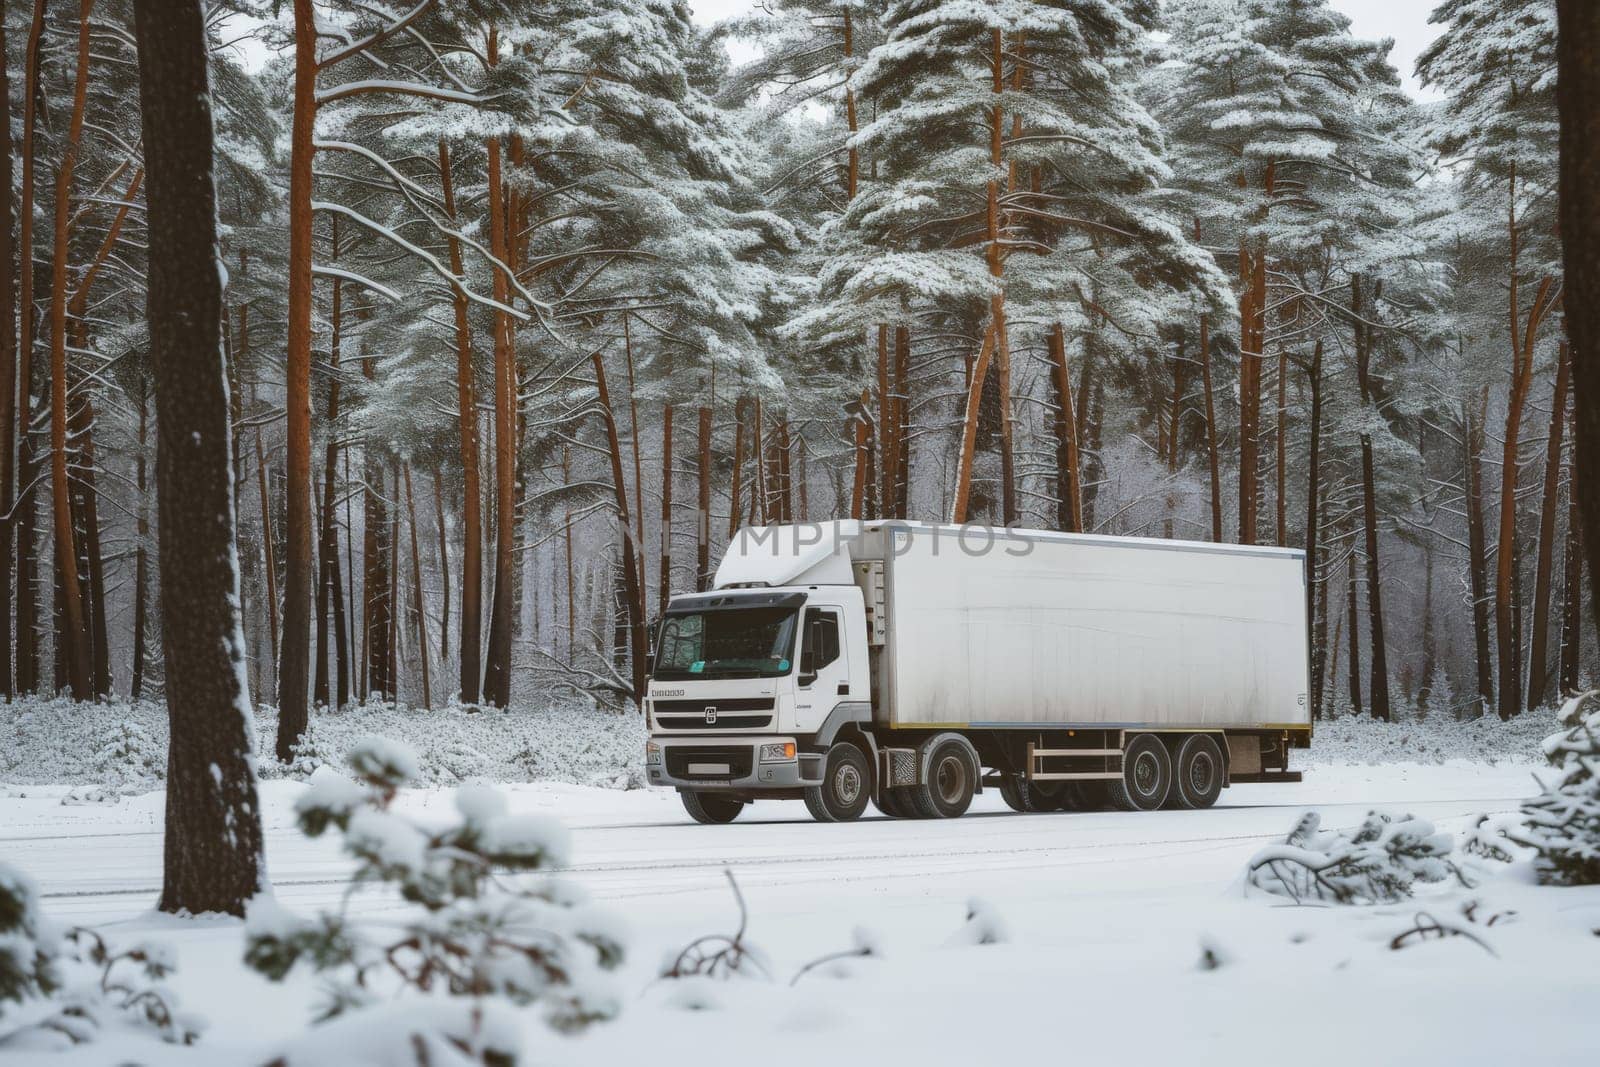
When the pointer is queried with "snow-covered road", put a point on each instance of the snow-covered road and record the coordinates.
(1106, 913)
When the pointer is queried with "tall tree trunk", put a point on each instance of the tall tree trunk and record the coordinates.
(92, 566)
(294, 654)
(328, 551)
(969, 428)
(75, 635)
(572, 624)
(8, 368)
(738, 464)
(632, 591)
(902, 423)
(213, 839)
(378, 606)
(1474, 415)
(497, 666)
(141, 563)
(444, 564)
(1313, 518)
(665, 572)
(269, 591)
(1352, 612)
(1538, 657)
(416, 582)
(863, 454)
(1577, 90)
(1572, 581)
(1379, 694)
(997, 302)
(888, 453)
(27, 597)
(471, 480)
(1213, 461)
(637, 533)
(702, 524)
(1069, 495)
(1281, 432)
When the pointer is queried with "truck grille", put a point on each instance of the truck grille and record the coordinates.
(740, 713)
(681, 759)
(721, 722)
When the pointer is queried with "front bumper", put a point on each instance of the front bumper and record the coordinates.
(728, 762)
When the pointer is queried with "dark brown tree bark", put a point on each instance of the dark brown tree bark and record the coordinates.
(1578, 97)
(213, 841)
(702, 522)
(1572, 582)
(664, 573)
(27, 600)
(902, 423)
(1474, 413)
(632, 590)
(862, 428)
(1213, 460)
(1378, 652)
(1069, 495)
(8, 369)
(294, 654)
(738, 464)
(141, 561)
(1352, 613)
(471, 480)
(502, 610)
(416, 586)
(1313, 519)
(74, 635)
(1538, 655)
(886, 424)
(328, 532)
(444, 564)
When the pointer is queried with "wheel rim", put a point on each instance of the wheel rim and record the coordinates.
(847, 784)
(1146, 773)
(1202, 773)
(951, 779)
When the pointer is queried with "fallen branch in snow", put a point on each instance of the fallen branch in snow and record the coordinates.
(1427, 927)
(718, 955)
(865, 946)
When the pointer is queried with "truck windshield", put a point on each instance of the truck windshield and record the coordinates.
(742, 643)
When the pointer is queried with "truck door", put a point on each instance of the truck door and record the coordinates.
(824, 676)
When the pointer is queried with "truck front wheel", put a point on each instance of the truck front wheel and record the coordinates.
(710, 808)
(846, 786)
(1146, 775)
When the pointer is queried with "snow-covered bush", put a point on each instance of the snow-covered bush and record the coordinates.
(128, 756)
(68, 990)
(1377, 864)
(28, 944)
(476, 935)
(1562, 824)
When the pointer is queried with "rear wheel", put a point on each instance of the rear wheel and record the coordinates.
(846, 786)
(1013, 792)
(1198, 772)
(710, 808)
(951, 780)
(1047, 796)
(1146, 775)
(896, 804)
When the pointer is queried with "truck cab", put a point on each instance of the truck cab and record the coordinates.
(751, 686)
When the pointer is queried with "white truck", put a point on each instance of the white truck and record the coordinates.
(912, 665)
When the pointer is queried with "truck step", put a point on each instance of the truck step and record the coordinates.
(1265, 776)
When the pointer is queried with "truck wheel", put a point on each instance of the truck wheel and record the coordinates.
(895, 804)
(1088, 795)
(846, 786)
(1013, 792)
(1046, 796)
(951, 780)
(1199, 772)
(1146, 775)
(710, 808)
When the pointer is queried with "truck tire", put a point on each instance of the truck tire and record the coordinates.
(1146, 775)
(846, 786)
(951, 781)
(1013, 790)
(1198, 772)
(1046, 796)
(1087, 795)
(896, 804)
(709, 808)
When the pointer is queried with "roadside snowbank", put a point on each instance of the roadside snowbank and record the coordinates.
(122, 747)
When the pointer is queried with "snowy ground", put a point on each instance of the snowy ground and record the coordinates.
(1106, 915)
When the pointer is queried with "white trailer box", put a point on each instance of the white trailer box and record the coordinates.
(1029, 628)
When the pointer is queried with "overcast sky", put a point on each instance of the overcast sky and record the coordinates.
(1404, 20)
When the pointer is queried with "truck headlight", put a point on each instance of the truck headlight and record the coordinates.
(777, 753)
(652, 753)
